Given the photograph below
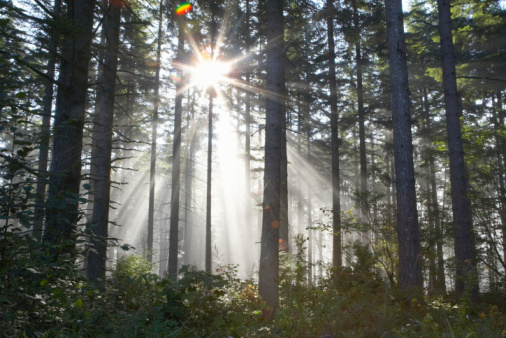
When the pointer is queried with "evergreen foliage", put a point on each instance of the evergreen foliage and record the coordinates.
(43, 289)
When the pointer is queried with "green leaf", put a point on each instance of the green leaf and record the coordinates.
(78, 304)
(21, 95)
(44, 282)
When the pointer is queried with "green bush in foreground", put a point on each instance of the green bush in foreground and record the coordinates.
(136, 303)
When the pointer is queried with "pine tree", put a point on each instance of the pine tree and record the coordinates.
(408, 234)
(63, 196)
(274, 130)
(462, 221)
(97, 257)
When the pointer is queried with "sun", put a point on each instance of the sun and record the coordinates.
(209, 73)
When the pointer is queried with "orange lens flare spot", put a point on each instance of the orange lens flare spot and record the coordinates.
(280, 240)
(184, 8)
(275, 224)
(267, 207)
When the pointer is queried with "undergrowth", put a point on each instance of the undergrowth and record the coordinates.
(53, 301)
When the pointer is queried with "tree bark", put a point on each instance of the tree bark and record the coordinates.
(440, 284)
(462, 220)
(191, 144)
(97, 257)
(62, 203)
(154, 135)
(361, 113)
(408, 233)
(176, 166)
(96, 122)
(309, 211)
(247, 118)
(208, 258)
(502, 187)
(38, 214)
(336, 183)
(274, 129)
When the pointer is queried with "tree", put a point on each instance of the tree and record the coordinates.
(336, 184)
(208, 256)
(408, 234)
(46, 125)
(462, 221)
(360, 106)
(274, 129)
(63, 195)
(100, 220)
(154, 133)
(176, 164)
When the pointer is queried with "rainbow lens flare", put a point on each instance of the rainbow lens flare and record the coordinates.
(184, 8)
(175, 76)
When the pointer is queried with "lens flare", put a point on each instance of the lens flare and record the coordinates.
(174, 76)
(184, 8)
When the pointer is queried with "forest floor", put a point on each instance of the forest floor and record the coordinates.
(137, 303)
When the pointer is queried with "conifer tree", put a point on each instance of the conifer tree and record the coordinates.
(63, 195)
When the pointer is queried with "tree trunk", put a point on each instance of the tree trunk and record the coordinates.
(309, 212)
(502, 187)
(176, 166)
(274, 129)
(191, 143)
(96, 123)
(440, 284)
(462, 221)
(336, 184)
(208, 257)
(408, 233)
(361, 113)
(38, 214)
(97, 257)
(154, 135)
(441, 280)
(283, 228)
(62, 209)
(247, 118)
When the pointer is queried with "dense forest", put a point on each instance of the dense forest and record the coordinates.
(236, 168)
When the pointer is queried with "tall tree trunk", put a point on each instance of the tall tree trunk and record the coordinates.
(300, 179)
(283, 228)
(502, 186)
(208, 258)
(309, 212)
(96, 122)
(176, 166)
(462, 220)
(372, 151)
(154, 135)
(440, 284)
(361, 113)
(408, 233)
(433, 236)
(274, 129)
(441, 280)
(191, 143)
(65, 177)
(247, 120)
(97, 257)
(38, 214)
(337, 260)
